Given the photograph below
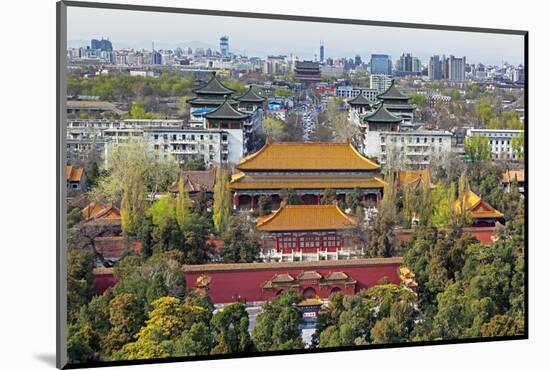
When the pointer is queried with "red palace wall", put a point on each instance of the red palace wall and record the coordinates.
(104, 279)
(246, 283)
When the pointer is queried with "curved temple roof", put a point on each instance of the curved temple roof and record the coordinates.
(359, 100)
(250, 96)
(306, 156)
(382, 115)
(306, 217)
(214, 87)
(393, 93)
(226, 111)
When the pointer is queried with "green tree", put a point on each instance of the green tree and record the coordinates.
(420, 100)
(274, 128)
(169, 320)
(518, 145)
(78, 345)
(80, 280)
(133, 205)
(162, 209)
(442, 200)
(193, 342)
(477, 148)
(137, 111)
(230, 330)
(500, 326)
(126, 316)
(283, 93)
(277, 326)
(484, 111)
(124, 162)
(290, 197)
(222, 201)
(240, 244)
(182, 204)
(264, 205)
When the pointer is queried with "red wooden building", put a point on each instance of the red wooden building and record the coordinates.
(306, 232)
(308, 169)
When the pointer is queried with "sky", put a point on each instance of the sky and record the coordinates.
(261, 37)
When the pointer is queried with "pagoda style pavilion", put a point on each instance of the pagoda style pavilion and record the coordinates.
(226, 117)
(481, 212)
(306, 168)
(250, 101)
(306, 232)
(209, 97)
(381, 120)
(307, 71)
(361, 104)
(397, 103)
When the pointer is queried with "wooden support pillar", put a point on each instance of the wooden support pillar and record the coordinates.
(253, 201)
(318, 197)
(378, 198)
(235, 201)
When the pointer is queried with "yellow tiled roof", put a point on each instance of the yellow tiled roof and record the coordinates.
(74, 174)
(243, 181)
(316, 301)
(413, 177)
(306, 156)
(472, 202)
(96, 211)
(511, 175)
(306, 217)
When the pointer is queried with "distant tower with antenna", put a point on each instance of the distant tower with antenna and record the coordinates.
(322, 51)
(224, 46)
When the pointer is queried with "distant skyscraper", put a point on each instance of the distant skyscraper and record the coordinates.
(434, 68)
(457, 68)
(322, 52)
(156, 57)
(380, 64)
(358, 60)
(103, 45)
(224, 46)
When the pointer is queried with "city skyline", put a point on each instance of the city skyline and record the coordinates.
(169, 31)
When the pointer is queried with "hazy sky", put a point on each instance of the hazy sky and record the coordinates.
(260, 37)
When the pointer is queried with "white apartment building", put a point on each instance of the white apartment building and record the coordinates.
(87, 138)
(499, 140)
(214, 147)
(350, 92)
(380, 82)
(415, 149)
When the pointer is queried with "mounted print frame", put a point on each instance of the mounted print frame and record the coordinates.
(236, 184)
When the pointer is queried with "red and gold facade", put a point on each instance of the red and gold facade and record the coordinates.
(307, 169)
(307, 232)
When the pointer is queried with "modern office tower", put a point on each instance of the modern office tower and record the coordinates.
(322, 52)
(405, 63)
(434, 68)
(156, 57)
(380, 64)
(224, 46)
(358, 61)
(416, 65)
(103, 45)
(457, 68)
